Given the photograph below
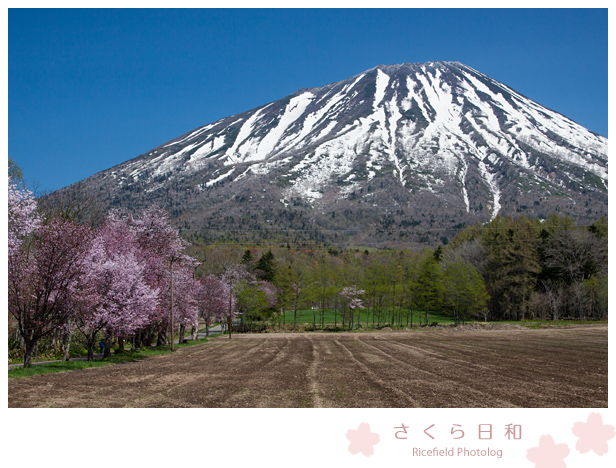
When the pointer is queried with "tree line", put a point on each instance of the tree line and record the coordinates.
(74, 269)
(507, 269)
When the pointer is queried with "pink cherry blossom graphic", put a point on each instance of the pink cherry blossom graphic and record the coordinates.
(593, 434)
(362, 440)
(548, 454)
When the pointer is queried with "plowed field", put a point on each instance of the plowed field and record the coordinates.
(552, 367)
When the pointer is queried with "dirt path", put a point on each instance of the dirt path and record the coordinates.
(561, 367)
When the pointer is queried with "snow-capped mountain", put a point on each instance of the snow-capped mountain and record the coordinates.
(399, 153)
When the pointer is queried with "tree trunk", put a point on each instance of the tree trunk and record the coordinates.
(393, 307)
(90, 339)
(182, 333)
(230, 306)
(68, 345)
(172, 338)
(147, 338)
(30, 346)
(107, 352)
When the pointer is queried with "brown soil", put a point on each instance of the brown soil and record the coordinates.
(554, 367)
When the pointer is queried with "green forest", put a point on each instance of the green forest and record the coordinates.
(508, 269)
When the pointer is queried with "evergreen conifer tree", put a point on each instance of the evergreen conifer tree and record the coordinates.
(266, 267)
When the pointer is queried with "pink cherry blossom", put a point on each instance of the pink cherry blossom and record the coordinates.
(593, 434)
(43, 276)
(271, 293)
(113, 295)
(161, 248)
(548, 454)
(23, 219)
(351, 291)
(362, 440)
(156, 234)
(184, 295)
(356, 303)
(212, 300)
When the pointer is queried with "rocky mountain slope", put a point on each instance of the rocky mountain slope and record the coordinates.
(398, 155)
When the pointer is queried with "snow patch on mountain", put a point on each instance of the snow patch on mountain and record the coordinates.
(493, 186)
(382, 80)
(292, 112)
(233, 155)
(220, 177)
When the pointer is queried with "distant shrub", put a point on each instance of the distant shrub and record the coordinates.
(15, 354)
(78, 351)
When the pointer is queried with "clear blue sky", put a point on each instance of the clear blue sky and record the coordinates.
(89, 89)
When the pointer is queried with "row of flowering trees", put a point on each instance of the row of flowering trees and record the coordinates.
(128, 277)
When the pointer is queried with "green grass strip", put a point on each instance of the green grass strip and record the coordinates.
(126, 356)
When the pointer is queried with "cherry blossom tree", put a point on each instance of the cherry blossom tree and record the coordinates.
(162, 248)
(43, 278)
(184, 297)
(158, 237)
(232, 276)
(114, 297)
(212, 300)
(351, 293)
(271, 293)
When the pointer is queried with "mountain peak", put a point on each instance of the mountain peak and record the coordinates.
(412, 67)
(401, 153)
